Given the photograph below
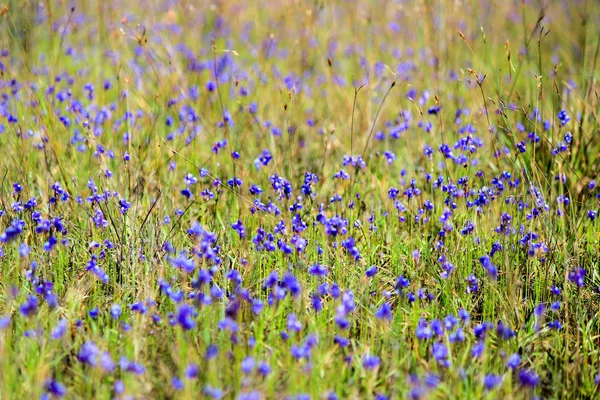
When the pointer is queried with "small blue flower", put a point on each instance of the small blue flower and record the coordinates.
(577, 276)
(371, 271)
(55, 388)
(490, 381)
(115, 311)
(88, 353)
(177, 383)
(247, 365)
(370, 362)
(384, 312)
(318, 270)
(30, 306)
(477, 349)
(563, 117)
(264, 369)
(60, 329)
(528, 378)
(185, 317)
(513, 361)
(5, 321)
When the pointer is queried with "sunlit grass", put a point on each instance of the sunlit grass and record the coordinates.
(395, 145)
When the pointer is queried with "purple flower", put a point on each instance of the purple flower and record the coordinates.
(239, 228)
(477, 349)
(491, 269)
(93, 313)
(317, 270)
(457, 336)
(29, 307)
(539, 310)
(14, 230)
(577, 276)
(264, 369)
(5, 321)
(423, 332)
(131, 366)
(119, 386)
(293, 324)
(106, 362)
(247, 365)
(60, 329)
(88, 353)
(249, 396)
(556, 325)
(490, 381)
(513, 361)
(370, 362)
(416, 256)
(371, 271)
(185, 317)
(24, 250)
(384, 312)
(528, 378)
(291, 283)
(211, 352)
(55, 388)
(563, 117)
(192, 370)
(341, 341)
(115, 311)
(177, 383)
(440, 353)
(504, 331)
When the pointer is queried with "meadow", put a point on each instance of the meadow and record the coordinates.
(300, 199)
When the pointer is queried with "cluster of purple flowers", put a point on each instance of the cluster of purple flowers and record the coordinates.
(211, 218)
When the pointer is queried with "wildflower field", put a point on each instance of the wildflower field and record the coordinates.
(299, 199)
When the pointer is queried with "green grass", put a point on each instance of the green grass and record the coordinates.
(499, 61)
